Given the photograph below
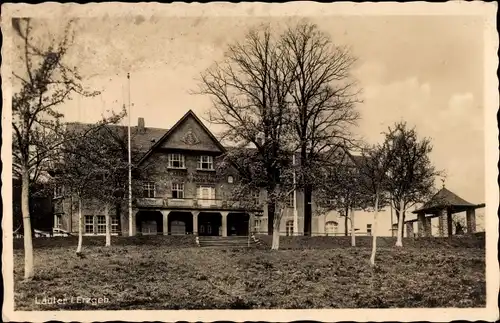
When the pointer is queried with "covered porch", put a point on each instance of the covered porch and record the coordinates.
(194, 222)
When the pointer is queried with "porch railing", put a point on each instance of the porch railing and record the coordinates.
(192, 203)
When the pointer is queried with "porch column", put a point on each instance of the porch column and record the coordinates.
(165, 214)
(195, 222)
(409, 229)
(224, 223)
(449, 222)
(421, 224)
(471, 221)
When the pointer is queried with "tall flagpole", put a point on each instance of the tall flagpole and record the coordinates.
(295, 214)
(130, 219)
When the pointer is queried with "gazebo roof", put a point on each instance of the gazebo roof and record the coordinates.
(446, 199)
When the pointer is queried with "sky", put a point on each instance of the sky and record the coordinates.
(426, 70)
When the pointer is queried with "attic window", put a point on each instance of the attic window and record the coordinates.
(230, 179)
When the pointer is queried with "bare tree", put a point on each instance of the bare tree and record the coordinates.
(324, 98)
(44, 84)
(252, 178)
(411, 173)
(249, 92)
(373, 182)
(95, 168)
(340, 189)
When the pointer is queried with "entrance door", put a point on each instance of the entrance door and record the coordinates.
(207, 229)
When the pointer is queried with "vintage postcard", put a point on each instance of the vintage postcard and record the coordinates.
(250, 162)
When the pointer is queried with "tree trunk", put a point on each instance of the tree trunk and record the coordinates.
(270, 218)
(29, 268)
(276, 228)
(307, 210)
(399, 240)
(80, 226)
(353, 231)
(276, 238)
(108, 225)
(346, 223)
(374, 233)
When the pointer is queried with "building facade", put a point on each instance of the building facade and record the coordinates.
(184, 192)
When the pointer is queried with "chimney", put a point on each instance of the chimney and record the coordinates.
(140, 125)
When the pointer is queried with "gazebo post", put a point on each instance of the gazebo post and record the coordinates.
(449, 222)
(409, 230)
(422, 231)
(442, 220)
(471, 220)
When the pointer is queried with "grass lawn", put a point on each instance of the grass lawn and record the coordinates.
(160, 277)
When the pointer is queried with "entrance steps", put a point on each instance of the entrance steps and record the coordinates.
(226, 242)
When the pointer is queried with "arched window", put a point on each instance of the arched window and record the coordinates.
(331, 227)
(289, 227)
(230, 179)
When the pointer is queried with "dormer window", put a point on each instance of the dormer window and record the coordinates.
(230, 179)
(176, 161)
(206, 162)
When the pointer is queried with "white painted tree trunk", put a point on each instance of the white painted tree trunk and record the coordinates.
(353, 230)
(276, 238)
(399, 239)
(80, 226)
(276, 227)
(374, 233)
(108, 225)
(29, 267)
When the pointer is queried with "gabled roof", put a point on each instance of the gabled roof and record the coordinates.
(443, 199)
(190, 113)
(141, 139)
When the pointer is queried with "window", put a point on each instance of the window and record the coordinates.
(369, 229)
(148, 189)
(291, 200)
(89, 224)
(206, 162)
(257, 224)
(175, 161)
(114, 225)
(177, 190)
(256, 197)
(101, 224)
(289, 228)
(331, 228)
(58, 191)
(57, 221)
(230, 179)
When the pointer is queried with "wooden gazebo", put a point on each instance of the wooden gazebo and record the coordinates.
(443, 205)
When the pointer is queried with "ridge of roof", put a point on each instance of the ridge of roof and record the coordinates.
(141, 140)
(444, 198)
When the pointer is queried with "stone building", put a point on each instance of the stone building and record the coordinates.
(185, 193)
